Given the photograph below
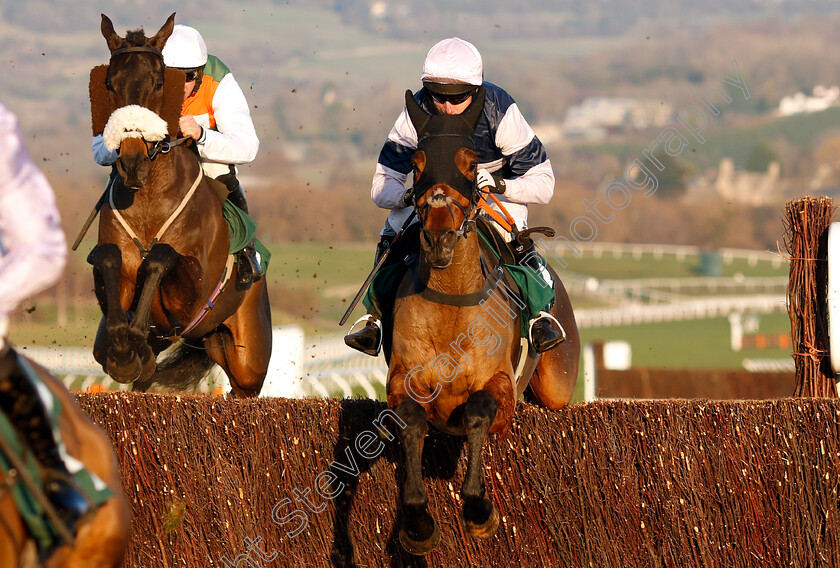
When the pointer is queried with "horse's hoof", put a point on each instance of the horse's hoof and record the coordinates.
(482, 529)
(420, 547)
(125, 372)
(148, 363)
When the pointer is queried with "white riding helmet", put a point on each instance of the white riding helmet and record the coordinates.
(185, 48)
(451, 66)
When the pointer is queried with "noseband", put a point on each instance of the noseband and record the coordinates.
(467, 225)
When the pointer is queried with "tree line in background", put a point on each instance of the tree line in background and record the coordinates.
(321, 133)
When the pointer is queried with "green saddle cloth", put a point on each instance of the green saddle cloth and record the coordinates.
(38, 526)
(534, 291)
(243, 230)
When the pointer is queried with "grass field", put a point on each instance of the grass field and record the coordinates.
(311, 284)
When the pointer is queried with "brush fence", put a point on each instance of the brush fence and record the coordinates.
(279, 482)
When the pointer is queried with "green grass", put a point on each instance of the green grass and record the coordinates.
(668, 267)
(703, 343)
(328, 275)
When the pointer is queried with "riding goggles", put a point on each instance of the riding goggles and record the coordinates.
(452, 99)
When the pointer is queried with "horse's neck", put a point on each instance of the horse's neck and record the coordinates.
(464, 275)
(171, 177)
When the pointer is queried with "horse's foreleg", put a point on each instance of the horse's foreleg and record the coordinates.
(478, 515)
(106, 260)
(157, 264)
(418, 533)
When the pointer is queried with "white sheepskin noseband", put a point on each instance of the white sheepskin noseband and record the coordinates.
(133, 121)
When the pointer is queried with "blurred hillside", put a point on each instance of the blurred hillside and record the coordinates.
(326, 78)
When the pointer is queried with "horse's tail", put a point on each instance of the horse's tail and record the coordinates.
(183, 367)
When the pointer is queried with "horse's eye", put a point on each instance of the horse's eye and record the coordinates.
(159, 85)
(108, 84)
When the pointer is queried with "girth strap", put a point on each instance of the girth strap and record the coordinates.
(211, 301)
(471, 299)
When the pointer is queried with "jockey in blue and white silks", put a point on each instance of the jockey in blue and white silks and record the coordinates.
(504, 142)
(513, 163)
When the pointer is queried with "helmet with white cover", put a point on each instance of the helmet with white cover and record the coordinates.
(185, 48)
(452, 67)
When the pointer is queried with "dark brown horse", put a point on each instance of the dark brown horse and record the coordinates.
(456, 332)
(102, 540)
(161, 267)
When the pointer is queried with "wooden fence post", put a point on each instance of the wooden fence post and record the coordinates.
(806, 236)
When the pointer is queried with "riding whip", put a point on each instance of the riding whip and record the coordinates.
(90, 218)
(373, 272)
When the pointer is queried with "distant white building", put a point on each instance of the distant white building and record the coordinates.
(821, 99)
(595, 117)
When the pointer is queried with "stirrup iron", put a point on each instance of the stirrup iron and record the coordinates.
(542, 315)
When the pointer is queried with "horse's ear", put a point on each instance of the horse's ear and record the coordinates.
(173, 99)
(473, 113)
(100, 101)
(418, 116)
(114, 40)
(159, 39)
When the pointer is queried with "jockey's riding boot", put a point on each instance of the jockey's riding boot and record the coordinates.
(542, 334)
(248, 269)
(237, 197)
(382, 247)
(368, 340)
(21, 404)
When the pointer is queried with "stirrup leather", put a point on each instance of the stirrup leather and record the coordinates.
(542, 315)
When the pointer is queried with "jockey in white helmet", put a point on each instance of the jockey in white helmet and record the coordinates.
(216, 116)
(513, 163)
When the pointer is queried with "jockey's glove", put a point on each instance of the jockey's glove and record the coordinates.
(486, 181)
(408, 197)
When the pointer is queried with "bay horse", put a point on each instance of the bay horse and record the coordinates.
(102, 540)
(162, 270)
(455, 347)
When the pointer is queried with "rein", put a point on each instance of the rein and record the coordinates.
(144, 250)
(164, 146)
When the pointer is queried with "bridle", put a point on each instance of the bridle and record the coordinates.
(136, 49)
(468, 224)
(153, 149)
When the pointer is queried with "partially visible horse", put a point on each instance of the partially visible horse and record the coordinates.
(101, 541)
(456, 331)
(162, 268)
